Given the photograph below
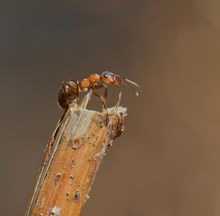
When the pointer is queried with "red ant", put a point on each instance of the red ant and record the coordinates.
(69, 90)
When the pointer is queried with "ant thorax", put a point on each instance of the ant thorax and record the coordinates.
(84, 85)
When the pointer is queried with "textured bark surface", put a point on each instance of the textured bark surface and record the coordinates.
(72, 160)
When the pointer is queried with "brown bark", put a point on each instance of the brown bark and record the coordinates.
(72, 160)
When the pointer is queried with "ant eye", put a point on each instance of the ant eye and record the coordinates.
(106, 75)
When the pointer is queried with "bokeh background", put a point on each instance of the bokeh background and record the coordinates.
(167, 162)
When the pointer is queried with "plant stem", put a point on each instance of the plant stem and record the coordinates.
(72, 159)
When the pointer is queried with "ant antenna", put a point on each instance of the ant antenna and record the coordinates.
(134, 86)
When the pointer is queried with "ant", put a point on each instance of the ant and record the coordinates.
(70, 90)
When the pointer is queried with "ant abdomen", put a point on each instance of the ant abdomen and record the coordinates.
(67, 93)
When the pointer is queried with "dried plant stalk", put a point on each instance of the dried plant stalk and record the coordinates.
(72, 160)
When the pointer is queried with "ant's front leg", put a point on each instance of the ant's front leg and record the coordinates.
(103, 104)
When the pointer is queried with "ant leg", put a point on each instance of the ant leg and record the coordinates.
(119, 100)
(77, 103)
(106, 90)
(77, 99)
(90, 94)
(102, 98)
(105, 94)
(104, 105)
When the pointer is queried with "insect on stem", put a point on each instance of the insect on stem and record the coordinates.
(70, 90)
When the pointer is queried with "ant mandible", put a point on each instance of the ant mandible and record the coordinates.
(70, 90)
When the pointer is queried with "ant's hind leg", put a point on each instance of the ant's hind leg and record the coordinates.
(77, 100)
(77, 104)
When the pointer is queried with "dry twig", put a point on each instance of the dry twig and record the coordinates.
(72, 160)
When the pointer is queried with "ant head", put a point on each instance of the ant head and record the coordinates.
(116, 80)
(110, 78)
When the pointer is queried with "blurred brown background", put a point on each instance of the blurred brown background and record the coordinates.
(167, 161)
